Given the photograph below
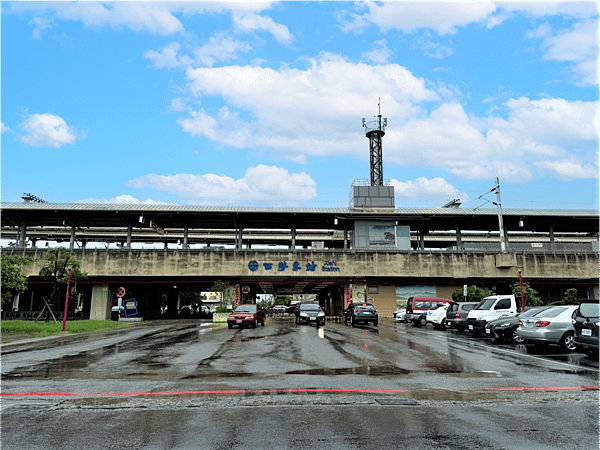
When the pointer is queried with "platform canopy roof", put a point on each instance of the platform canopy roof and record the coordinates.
(232, 217)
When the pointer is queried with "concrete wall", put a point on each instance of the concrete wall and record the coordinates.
(333, 264)
(384, 301)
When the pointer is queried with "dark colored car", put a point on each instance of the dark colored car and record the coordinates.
(585, 321)
(456, 315)
(250, 315)
(506, 327)
(310, 313)
(361, 313)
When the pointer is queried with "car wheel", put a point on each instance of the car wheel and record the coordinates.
(423, 321)
(445, 324)
(515, 337)
(567, 342)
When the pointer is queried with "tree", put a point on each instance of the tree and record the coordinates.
(220, 286)
(59, 262)
(571, 297)
(474, 294)
(13, 280)
(532, 297)
(283, 300)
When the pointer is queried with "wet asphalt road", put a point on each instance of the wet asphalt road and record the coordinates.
(201, 385)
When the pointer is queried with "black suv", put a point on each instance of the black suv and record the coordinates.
(585, 321)
(360, 313)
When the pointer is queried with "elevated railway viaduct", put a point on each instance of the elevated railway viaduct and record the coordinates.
(160, 252)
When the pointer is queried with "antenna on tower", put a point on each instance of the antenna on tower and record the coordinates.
(375, 130)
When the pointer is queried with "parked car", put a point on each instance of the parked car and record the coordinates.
(550, 326)
(204, 312)
(250, 315)
(491, 308)
(357, 313)
(456, 314)
(417, 307)
(400, 315)
(585, 320)
(506, 328)
(437, 316)
(310, 313)
(279, 309)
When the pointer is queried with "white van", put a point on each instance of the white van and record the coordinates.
(491, 308)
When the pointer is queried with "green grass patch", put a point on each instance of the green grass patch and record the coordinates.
(42, 329)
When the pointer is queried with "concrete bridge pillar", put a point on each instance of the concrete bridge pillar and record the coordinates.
(101, 305)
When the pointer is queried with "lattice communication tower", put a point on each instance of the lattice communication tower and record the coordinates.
(375, 130)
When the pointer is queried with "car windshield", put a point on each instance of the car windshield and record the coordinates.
(589, 310)
(246, 309)
(309, 307)
(487, 303)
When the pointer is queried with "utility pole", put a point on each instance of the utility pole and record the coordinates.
(500, 223)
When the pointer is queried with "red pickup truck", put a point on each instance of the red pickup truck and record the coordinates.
(250, 315)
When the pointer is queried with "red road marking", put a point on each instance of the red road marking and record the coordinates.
(280, 391)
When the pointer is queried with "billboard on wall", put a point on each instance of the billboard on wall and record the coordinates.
(359, 293)
(382, 236)
(403, 293)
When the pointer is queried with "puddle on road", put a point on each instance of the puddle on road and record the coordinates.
(375, 371)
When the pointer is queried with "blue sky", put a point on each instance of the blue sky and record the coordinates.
(261, 104)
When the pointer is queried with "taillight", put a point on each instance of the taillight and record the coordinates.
(542, 323)
(520, 323)
(356, 310)
(457, 316)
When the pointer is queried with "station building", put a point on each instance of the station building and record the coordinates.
(162, 254)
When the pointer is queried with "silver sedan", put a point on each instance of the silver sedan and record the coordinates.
(551, 326)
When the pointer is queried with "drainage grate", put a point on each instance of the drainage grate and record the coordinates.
(397, 401)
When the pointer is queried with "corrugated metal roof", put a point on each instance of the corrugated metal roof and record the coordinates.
(247, 209)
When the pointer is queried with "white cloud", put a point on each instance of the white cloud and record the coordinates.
(153, 17)
(431, 48)
(443, 17)
(578, 45)
(323, 104)
(47, 130)
(436, 190)
(167, 57)
(4, 128)
(297, 112)
(246, 22)
(220, 48)
(533, 132)
(447, 17)
(379, 54)
(122, 199)
(568, 170)
(260, 184)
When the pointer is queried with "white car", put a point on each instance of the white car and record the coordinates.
(400, 315)
(437, 316)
